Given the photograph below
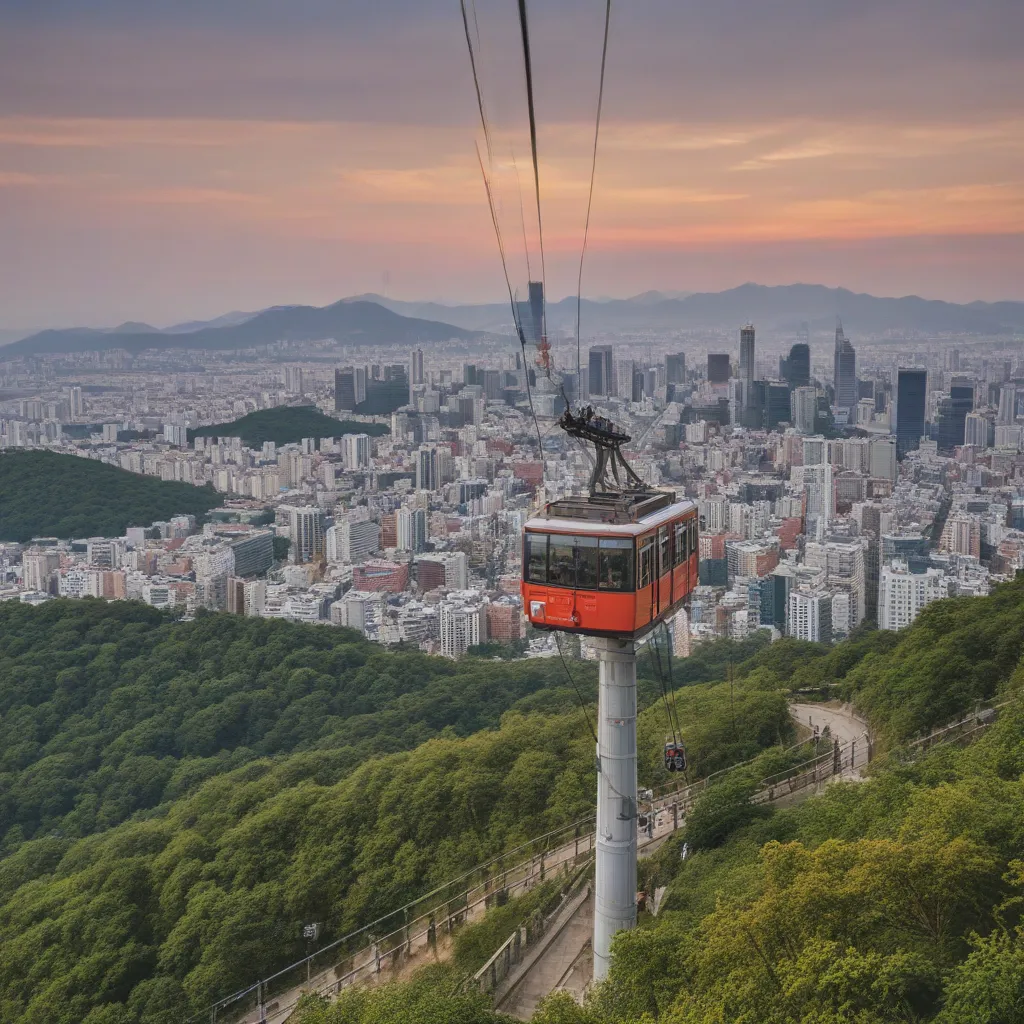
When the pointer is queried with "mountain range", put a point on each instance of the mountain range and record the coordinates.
(346, 321)
(376, 319)
(779, 308)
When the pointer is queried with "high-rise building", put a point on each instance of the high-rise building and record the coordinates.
(747, 364)
(463, 623)
(307, 533)
(531, 314)
(76, 403)
(602, 370)
(293, 380)
(810, 615)
(1007, 406)
(845, 365)
(902, 594)
(911, 401)
(416, 367)
(796, 369)
(882, 458)
(349, 388)
(355, 450)
(805, 409)
(39, 570)
(675, 368)
(718, 367)
(952, 415)
(976, 430)
(412, 529)
(426, 469)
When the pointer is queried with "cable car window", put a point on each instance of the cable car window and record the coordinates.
(615, 566)
(664, 551)
(586, 563)
(680, 538)
(645, 563)
(693, 536)
(537, 557)
(561, 560)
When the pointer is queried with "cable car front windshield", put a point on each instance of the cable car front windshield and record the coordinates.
(579, 561)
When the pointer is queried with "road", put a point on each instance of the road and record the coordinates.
(843, 724)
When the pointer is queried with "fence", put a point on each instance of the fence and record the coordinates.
(391, 942)
(510, 953)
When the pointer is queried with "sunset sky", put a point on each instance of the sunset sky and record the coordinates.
(167, 160)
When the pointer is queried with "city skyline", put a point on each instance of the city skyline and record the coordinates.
(157, 165)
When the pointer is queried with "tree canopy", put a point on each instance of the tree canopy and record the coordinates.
(45, 494)
(286, 424)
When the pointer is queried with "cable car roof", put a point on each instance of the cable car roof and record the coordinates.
(547, 523)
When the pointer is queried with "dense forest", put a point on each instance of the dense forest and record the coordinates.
(895, 899)
(43, 494)
(286, 424)
(180, 797)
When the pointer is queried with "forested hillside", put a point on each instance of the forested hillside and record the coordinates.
(895, 899)
(196, 791)
(286, 424)
(43, 494)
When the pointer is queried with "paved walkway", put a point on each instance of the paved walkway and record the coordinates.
(843, 724)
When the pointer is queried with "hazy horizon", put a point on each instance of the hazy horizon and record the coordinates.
(168, 162)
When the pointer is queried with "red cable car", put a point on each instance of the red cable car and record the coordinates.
(609, 564)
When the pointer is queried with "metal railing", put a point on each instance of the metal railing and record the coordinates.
(362, 956)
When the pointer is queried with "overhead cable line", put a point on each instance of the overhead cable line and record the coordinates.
(590, 195)
(528, 65)
(583, 706)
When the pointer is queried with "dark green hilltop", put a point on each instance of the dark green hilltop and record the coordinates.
(45, 494)
(287, 424)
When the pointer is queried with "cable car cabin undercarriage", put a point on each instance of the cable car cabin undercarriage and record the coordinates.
(612, 563)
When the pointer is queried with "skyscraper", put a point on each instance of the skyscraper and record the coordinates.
(718, 367)
(349, 388)
(602, 370)
(675, 368)
(952, 415)
(747, 358)
(416, 367)
(911, 398)
(845, 371)
(307, 533)
(796, 370)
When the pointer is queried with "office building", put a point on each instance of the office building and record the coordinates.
(675, 368)
(911, 402)
(416, 368)
(352, 538)
(349, 388)
(377, 574)
(1007, 412)
(805, 409)
(977, 430)
(902, 594)
(810, 615)
(718, 367)
(463, 623)
(253, 553)
(951, 415)
(796, 369)
(747, 364)
(306, 526)
(882, 458)
(602, 371)
(845, 367)
(531, 314)
(411, 524)
(426, 470)
(355, 449)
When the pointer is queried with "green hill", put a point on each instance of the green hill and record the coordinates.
(286, 424)
(180, 797)
(43, 494)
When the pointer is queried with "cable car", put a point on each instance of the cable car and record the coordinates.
(675, 756)
(609, 565)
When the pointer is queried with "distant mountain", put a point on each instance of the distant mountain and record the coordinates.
(227, 320)
(783, 307)
(352, 322)
(134, 327)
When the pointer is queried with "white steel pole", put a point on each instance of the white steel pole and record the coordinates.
(615, 885)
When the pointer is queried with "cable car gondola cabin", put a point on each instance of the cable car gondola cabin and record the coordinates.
(609, 565)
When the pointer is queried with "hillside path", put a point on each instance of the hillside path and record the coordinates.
(842, 721)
